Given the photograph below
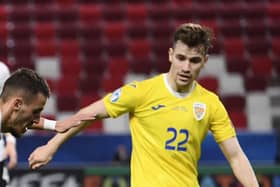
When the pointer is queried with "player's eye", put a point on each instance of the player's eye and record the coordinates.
(195, 60)
(181, 57)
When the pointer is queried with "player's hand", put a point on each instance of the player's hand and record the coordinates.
(40, 157)
(11, 153)
(73, 121)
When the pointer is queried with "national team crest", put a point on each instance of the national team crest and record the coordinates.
(199, 110)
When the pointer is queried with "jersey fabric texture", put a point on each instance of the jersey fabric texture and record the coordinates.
(167, 129)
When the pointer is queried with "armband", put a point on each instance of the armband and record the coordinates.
(49, 124)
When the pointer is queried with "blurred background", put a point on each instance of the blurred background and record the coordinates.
(86, 48)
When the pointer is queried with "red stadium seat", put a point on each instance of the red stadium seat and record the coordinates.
(21, 32)
(275, 45)
(45, 47)
(273, 11)
(93, 65)
(114, 31)
(67, 84)
(4, 51)
(141, 65)
(160, 13)
(114, 12)
(87, 32)
(254, 83)
(273, 28)
(137, 31)
(254, 11)
(261, 66)
(161, 64)
(90, 83)
(66, 14)
(231, 29)
(68, 102)
(237, 64)
(161, 31)
(234, 102)
(22, 49)
(239, 119)
(234, 47)
(89, 13)
(44, 30)
(66, 30)
(3, 13)
(139, 48)
(276, 65)
(66, 3)
(20, 14)
(110, 83)
(205, 12)
(69, 48)
(255, 29)
(231, 11)
(43, 12)
(136, 13)
(116, 48)
(210, 82)
(118, 66)
(70, 66)
(160, 49)
(3, 32)
(258, 46)
(92, 49)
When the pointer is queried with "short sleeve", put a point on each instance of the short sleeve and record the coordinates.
(122, 100)
(220, 123)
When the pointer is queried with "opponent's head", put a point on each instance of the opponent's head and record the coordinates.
(24, 96)
(188, 55)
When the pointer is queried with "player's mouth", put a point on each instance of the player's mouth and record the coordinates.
(184, 77)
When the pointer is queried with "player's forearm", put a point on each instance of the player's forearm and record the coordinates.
(60, 138)
(244, 172)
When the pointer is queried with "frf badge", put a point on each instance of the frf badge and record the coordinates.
(199, 110)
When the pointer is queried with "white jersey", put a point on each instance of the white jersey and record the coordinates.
(4, 74)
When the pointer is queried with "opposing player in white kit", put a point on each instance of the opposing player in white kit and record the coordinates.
(8, 149)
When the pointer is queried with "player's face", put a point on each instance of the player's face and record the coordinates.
(186, 64)
(25, 114)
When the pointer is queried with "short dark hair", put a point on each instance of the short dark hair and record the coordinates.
(27, 81)
(194, 35)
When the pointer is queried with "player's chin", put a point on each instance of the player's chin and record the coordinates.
(184, 81)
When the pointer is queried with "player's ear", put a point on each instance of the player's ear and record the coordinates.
(170, 53)
(17, 103)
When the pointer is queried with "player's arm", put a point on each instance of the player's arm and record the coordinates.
(62, 126)
(239, 162)
(42, 155)
(10, 150)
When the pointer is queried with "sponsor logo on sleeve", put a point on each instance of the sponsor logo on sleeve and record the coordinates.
(115, 95)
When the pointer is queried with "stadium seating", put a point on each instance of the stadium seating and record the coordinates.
(97, 46)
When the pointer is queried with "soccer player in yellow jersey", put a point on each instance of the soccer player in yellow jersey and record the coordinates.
(170, 115)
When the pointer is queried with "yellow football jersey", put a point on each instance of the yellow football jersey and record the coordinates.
(167, 129)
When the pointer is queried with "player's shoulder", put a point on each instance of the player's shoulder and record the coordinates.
(204, 92)
(146, 83)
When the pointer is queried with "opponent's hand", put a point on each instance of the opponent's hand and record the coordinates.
(73, 121)
(40, 157)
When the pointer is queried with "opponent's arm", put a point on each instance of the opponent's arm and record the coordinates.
(42, 155)
(10, 150)
(239, 162)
